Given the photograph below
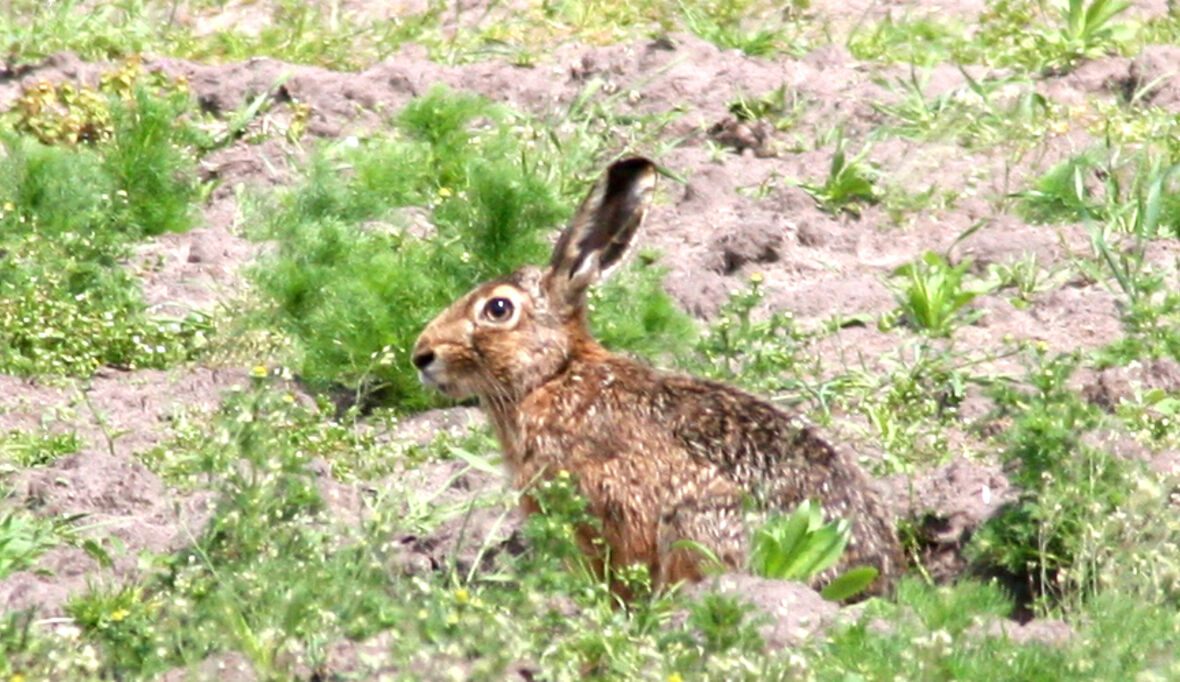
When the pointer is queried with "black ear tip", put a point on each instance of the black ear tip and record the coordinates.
(627, 171)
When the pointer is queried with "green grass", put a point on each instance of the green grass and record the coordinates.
(21, 449)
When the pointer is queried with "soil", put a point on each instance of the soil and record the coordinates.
(714, 233)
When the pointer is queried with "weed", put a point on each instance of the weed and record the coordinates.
(23, 538)
(66, 305)
(910, 402)
(725, 22)
(984, 113)
(849, 184)
(1025, 277)
(121, 168)
(800, 546)
(922, 41)
(933, 293)
(764, 355)
(1022, 33)
(1089, 29)
(1069, 484)
(781, 107)
(35, 448)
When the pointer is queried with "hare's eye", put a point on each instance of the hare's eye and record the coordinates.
(498, 309)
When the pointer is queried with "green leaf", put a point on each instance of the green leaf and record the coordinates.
(822, 550)
(850, 584)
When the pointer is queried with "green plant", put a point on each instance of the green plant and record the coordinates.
(122, 618)
(983, 114)
(1088, 28)
(725, 22)
(800, 546)
(910, 399)
(35, 448)
(23, 538)
(1025, 277)
(66, 304)
(1063, 194)
(849, 184)
(1028, 34)
(922, 41)
(781, 107)
(1068, 484)
(933, 293)
(766, 355)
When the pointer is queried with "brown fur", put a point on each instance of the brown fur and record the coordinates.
(660, 457)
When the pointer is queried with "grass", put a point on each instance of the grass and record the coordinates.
(379, 232)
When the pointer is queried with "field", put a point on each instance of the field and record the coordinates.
(948, 235)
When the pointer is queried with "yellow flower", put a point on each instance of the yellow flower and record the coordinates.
(258, 372)
(462, 595)
(119, 614)
(444, 192)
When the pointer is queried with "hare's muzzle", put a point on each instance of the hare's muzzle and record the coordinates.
(424, 360)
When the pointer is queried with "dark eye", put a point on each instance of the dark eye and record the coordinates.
(498, 309)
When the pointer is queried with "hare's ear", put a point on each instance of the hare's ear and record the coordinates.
(602, 231)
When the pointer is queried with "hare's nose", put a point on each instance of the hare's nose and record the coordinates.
(422, 359)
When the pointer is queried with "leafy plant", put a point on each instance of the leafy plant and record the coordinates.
(1025, 277)
(800, 546)
(66, 304)
(1062, 194)
(1089, 28)
(781, 107)
(932, 294)
(849, 184)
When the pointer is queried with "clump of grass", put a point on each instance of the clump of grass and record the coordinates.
(1064, 193)
(1031, 35)
(910, 404)
(366, 258)
(731, 24)
(766, 355)
(109, 166)
(21, 449)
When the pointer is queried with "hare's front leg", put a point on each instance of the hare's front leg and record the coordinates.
(695, 532)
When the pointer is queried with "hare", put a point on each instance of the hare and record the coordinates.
(659, 457)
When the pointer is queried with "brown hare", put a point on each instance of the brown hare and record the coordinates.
(659, 457)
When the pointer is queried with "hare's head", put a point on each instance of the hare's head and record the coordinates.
(509, 335)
